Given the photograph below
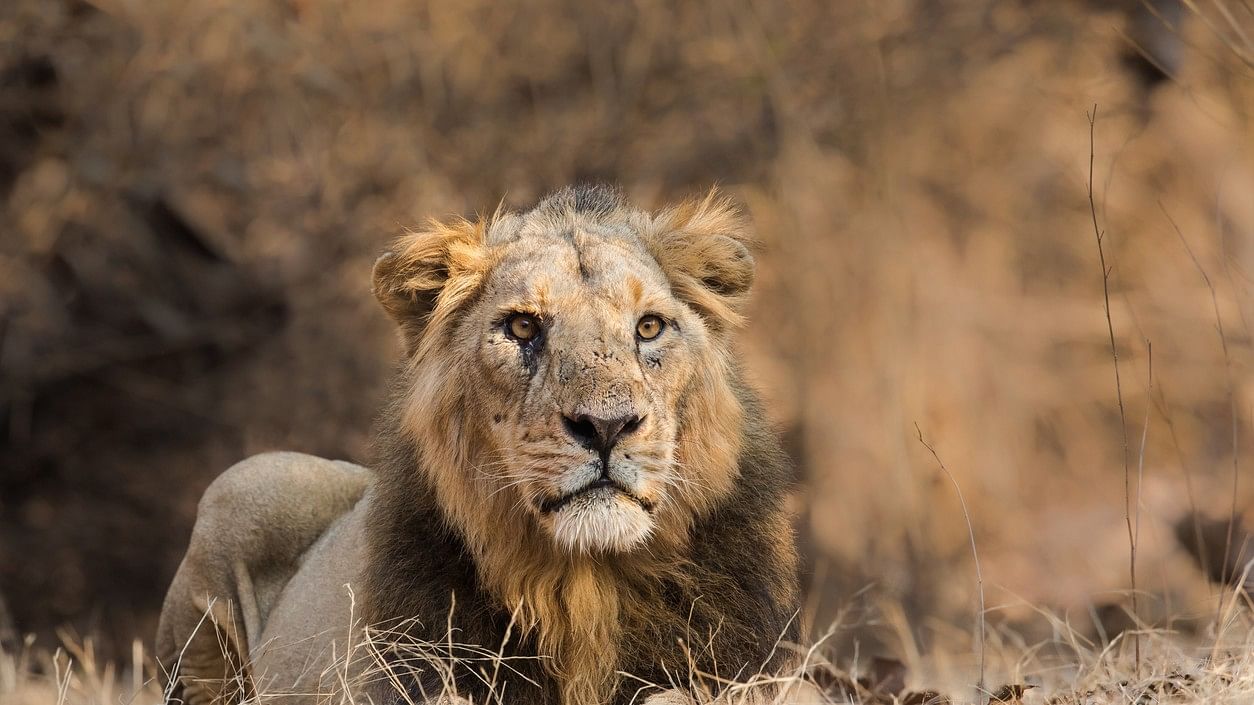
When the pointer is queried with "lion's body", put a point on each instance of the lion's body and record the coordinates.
(261, 589)
(481, 531)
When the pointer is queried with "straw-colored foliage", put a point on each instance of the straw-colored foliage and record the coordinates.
(917, 172)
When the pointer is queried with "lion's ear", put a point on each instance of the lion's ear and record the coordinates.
(704, 248)
(427, 274)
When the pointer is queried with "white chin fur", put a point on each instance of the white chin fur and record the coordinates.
(601, 524)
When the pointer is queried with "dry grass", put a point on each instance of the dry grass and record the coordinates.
(1067, 669)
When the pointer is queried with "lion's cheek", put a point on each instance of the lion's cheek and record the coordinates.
(498, 370)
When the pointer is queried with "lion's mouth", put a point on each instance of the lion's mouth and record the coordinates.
(553, 504)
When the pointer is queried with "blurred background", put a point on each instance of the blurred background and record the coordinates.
(192, 195)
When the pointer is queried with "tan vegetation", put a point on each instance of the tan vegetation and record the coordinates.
(195, 174)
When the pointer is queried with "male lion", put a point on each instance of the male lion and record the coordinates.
(575, 494)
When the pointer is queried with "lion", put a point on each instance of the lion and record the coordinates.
(576, 498)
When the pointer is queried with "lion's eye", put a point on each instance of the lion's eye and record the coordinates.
(521, 326)
(650, 327)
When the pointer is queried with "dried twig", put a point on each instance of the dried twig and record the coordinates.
(1114, 353)
(1140, 462)
(1164, 408)
(1232, 400)
(975, 555)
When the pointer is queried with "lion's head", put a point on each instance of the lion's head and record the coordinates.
(569, 366)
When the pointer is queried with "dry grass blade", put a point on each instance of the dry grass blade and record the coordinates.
(1140, 461)
(1114, 353)
(980, 627)
(1232, 403)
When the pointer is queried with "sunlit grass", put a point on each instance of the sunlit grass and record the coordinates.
(1067, 669)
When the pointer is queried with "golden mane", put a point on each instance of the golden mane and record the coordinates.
(573, 606)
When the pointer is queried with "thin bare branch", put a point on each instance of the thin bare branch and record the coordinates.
(1114, 353)
(1232, 401)
(1140, 476)
(980, 628)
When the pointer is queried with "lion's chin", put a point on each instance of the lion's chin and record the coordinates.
(603, 521)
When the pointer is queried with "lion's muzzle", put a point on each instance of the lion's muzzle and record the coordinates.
(603, 484)
(600, 433)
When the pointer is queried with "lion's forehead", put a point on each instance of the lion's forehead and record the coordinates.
(578, 264)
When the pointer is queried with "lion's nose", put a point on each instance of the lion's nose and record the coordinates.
(599, 433)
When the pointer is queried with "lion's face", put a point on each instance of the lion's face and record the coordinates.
(578, 387)
(581, 356)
